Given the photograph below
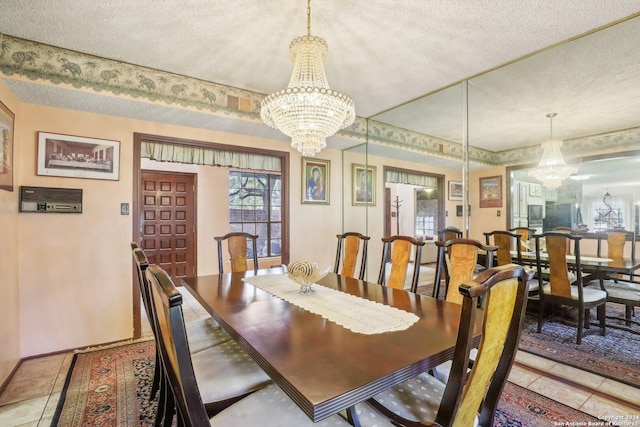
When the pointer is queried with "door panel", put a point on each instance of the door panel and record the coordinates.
(167, 222)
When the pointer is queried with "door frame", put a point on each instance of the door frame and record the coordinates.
(138, 138)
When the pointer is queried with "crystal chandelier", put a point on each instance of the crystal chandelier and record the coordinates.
(552, 169)
(308, 110)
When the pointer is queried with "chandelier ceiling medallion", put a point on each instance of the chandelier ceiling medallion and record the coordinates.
(308, 110)
(552, 169)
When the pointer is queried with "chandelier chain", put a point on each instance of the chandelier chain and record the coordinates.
(308, 18)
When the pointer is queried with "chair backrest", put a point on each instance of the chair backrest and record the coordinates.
(457, 261)
(348, 252)
(397, 250)
(525, 234)
(565, 230)
(506, 241)
(141, 261)
(173, 346)
(237, 246)
(556, 247)
(616, 240)
(449, 233)
(504, 291)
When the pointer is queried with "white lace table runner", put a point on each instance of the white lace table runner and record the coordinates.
(354, 313)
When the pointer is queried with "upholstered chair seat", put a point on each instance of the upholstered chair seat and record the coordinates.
(205, 333)
(417, 399)
(627, 293)
(589, 294)
(226, 371)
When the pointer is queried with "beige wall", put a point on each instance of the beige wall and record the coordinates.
(10, 351)
(75, 270)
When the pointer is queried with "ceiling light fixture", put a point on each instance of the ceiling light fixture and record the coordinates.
(308, 110)
(552, 169)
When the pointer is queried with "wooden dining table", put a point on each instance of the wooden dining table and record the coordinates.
(322, 366)
(598, 266)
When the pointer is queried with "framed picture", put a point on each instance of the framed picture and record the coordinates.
(455, 190)
(364, 184)
(7, 120)
(535, 190)
(459, 210)
(491, 192)
(78, 156)
(316, 175)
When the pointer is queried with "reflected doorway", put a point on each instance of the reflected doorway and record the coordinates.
(414, 203)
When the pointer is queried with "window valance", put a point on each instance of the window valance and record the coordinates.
(209, 156)
(412, 179)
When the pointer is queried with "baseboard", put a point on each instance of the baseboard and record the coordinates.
(10, 376)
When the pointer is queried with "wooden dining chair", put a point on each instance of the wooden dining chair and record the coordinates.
(510, 251)
(560, 290)
(506, 241)
(348, 253)
(467, 395)
(238, 253)
(225, 372)
(397, 251)
(525, 234)
(457, 264)
(449, 233)
(616, 241)
(191, 380)
(619, 290)
(202, 333)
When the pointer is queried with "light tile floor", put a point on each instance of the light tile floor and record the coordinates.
(32, 395)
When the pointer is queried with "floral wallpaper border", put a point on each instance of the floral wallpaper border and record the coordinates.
(54, 65)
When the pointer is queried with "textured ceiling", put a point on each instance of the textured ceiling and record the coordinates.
(382, 53)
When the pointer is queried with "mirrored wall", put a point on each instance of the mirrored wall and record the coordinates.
(591, 82)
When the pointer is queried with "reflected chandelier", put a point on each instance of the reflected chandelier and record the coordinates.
(552, 169)
(308, 110)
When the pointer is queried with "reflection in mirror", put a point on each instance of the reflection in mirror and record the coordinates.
(604, 194)
(591, 82)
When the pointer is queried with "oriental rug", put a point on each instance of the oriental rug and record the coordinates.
(614, 355)
(111, 386)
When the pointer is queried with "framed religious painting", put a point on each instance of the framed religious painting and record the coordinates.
(364, 185)
(7, 120)
(316, 175)
(491, 192)
(78, 156)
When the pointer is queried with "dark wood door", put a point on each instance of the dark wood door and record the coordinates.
(167, 222)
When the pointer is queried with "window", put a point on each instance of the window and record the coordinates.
(255, 207)
(426, 211)
(424, 226)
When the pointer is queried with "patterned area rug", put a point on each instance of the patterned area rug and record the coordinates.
(613, 356)
(110, 387)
